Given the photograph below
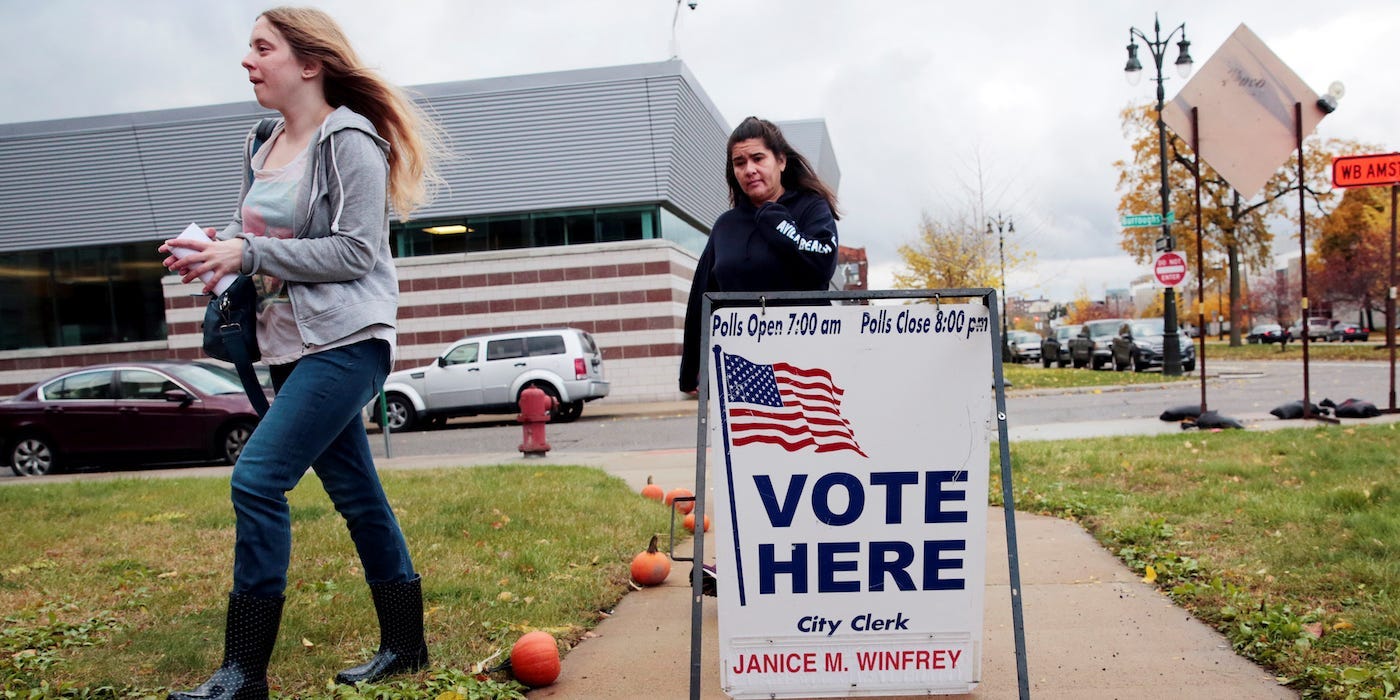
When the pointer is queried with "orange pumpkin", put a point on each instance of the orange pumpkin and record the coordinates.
(689, 522)
(680, 492)
(534, 660)
(650, 568)
(652, 491)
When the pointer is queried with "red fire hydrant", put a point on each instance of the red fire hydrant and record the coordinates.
(535, 406)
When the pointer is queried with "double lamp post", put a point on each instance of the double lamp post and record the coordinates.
(1171, 343)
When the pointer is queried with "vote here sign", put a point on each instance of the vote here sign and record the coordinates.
(851, 497)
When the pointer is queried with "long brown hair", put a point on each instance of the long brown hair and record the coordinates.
(797, 176)
(414, 140)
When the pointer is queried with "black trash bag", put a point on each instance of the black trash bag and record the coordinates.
(1356, 408)
(1211, 420)
(1293, 410)
(1179, 413)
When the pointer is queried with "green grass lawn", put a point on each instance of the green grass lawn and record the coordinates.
(1287, 541)
(118, 587)
(1033, 376)
(1317, 350)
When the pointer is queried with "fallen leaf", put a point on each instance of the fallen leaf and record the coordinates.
(1151, 574)
(307, 643)
(1313, 628)
(1343, 625)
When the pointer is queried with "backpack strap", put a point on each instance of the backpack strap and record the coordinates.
(260, 137)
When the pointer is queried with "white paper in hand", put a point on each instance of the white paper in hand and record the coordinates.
(193, 231)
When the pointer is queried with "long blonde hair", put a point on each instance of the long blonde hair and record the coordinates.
(414, 140)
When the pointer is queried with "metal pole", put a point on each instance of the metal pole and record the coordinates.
(1200, 253)
(1008, 509)
(1303, 245)
(1220, 310)
(384, 422)
(1001, 250)
(1390, 300)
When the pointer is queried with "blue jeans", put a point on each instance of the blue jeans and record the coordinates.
(315, 421)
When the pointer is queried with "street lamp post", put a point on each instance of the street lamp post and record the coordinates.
(1002, 226)
(1171, 345)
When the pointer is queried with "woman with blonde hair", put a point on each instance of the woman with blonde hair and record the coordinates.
(312, 230)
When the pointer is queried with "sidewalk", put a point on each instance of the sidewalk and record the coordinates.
(1093, 629)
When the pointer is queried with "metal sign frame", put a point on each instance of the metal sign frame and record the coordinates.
(988, 297)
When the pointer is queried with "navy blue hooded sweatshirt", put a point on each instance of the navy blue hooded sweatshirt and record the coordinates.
(783, 246)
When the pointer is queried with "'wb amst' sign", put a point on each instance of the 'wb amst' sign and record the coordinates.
(851, 499)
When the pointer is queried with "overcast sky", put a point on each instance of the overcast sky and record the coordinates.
(916, 93)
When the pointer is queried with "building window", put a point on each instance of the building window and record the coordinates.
(81, 296)
(677, 230)
(529, 230)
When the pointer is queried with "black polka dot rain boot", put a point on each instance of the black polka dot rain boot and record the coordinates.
(402, 648)
(249, 633)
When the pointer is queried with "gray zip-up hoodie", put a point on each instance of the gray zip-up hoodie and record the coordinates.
(339, 271)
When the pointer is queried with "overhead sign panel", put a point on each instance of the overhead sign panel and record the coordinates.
(1366, 171)
(850, 509)
(1245, 97)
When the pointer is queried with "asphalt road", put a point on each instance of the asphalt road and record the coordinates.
(1243, 390)
(1237, 389)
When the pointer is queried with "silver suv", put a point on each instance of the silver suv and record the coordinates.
(486, 373)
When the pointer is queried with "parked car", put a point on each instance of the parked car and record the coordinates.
(1318, 329)
(1140, 342)
(486, 373)
(1348, 332)
(1091, 348)
(152, 411)
(1023, 345)
(1268, 333)
(1055, 348)
(264, 374)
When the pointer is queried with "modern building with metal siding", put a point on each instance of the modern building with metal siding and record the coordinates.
(574, 198)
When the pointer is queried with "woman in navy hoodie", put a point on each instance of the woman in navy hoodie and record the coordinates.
(780, 235)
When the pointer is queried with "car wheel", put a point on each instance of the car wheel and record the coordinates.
(1188, 366)
(1097, 363)
(232, 440)
(402, 416)
(32, 455)
(569, 412)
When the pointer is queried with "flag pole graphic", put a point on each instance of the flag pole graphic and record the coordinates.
(721, 384)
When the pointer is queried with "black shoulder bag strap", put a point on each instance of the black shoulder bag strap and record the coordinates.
(236, 349)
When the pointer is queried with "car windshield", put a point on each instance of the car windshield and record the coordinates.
(1148, 326)
(1103, 328)
(205, 380)
(1065, 332)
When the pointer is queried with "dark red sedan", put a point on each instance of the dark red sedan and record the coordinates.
(123, 413)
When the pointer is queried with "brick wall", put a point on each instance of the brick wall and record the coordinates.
(629, 295)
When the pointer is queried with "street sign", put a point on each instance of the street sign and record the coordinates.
(1245, 94)
(1169, 268)
(1162, 243)
(1366, 171)
(1145, 220)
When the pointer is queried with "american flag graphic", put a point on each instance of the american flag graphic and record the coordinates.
(783, 405)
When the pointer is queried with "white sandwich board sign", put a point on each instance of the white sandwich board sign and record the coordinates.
(850, 471)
